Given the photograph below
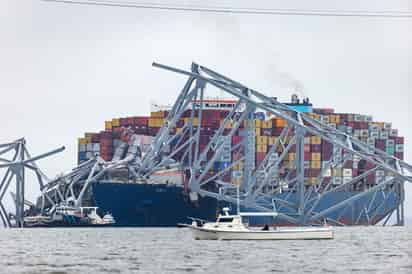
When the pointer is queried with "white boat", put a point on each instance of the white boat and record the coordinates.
(231, 227)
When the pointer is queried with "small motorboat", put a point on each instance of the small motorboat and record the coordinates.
(231, 227)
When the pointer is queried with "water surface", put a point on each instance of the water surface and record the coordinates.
(172, 250)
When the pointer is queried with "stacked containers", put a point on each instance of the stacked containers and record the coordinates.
(317, 152)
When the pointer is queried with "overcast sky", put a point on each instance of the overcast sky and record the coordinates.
(65, 69)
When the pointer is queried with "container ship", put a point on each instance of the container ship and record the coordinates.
(165, 200)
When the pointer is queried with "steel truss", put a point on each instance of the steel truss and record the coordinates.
(15, 159)
(270, 174)
(260, 184)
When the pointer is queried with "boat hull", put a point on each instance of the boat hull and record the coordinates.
(290, 233)
(162, 205)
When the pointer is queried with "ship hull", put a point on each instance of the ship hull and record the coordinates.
(162, 205)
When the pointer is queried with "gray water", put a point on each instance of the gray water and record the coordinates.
(172, 250)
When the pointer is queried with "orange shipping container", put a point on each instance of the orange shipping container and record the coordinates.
(280, 122)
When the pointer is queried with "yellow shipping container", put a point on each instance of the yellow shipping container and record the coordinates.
(178, 130)
(229, 124)
(337, 172)
(315, 156)
(261, 148)
(262, 140)
(237, 181)
(238, 166)
(257, 132)
(315, 140)
(116, 122)
(195, 121)
(108, 125)
(272, 140)
(258, 123)
(157, 114)
(291, 156)
(88, 135)
(313, 180)
(267, 124)
(337, 119)
(315, 164)
(156, 122)
(82, 141)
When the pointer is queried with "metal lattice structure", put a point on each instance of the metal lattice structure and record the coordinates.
(18, 160)
(260, 183)
(256, 178)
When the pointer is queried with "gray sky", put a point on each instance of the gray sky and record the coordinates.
(67, 68)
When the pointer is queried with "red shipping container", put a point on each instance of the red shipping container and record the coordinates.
(380, 144)
(399, 140)
(141, 121)
(370, 179)
(152, 131)
(315, 148)
(348, 164)
(236, 140)
(355, 172)
(260, 156)
(314, 172)
(307, 156)
(307, 148)
(123, 122)
(105, 134)
(399, 155)
(95, 137)
(276, 131)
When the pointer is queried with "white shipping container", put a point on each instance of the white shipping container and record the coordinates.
(364, 132)
(387, 126)
(332, 125)
(346, 179)
(89, 147)
(399, 148)
(393, 133)
(384, 135)
(357, 132)
(374, 134)
(390, 143)
(347, 172)
(89, 155)
(82, 148)
(371, 142)
(373, 127)
(96, 147)
(368, 118)
(358, 118)
(337, 180)
(328, 172)
(349, 130)
(237, 174)
(380, 173)
(325, 119)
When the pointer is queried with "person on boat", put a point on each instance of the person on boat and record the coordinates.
(265, 228)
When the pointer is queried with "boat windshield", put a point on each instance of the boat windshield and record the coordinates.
(225, 220)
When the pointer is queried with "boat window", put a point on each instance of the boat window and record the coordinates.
(225, 220)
